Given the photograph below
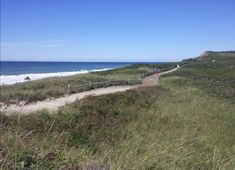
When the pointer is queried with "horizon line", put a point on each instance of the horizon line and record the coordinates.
(94, 61)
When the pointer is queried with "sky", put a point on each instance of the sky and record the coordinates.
(115, 30)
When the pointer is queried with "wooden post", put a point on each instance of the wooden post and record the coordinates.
(90, 84)
(69, 88)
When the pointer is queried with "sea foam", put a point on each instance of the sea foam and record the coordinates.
(12, 79)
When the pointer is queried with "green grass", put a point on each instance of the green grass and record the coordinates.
(82, 125)
(54, 87)
(178, 125)
(213, 73)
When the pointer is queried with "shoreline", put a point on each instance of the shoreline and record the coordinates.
(6, 80)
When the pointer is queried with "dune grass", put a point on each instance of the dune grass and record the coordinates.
(146, 128)
(84, 125)
(179, 124)
(214, 73)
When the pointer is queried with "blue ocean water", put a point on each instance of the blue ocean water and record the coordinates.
(17, 68)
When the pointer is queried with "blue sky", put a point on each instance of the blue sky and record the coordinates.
(114, 30)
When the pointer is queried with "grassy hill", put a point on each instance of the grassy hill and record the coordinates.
(213, 72)
(187, 122)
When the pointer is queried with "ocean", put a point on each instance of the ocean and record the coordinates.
(12, 72)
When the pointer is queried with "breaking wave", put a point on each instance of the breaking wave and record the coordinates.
(13, 79)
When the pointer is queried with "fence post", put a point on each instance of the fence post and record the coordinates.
(69, 88)
(90, 84)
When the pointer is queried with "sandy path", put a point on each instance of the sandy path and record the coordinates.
(152, 80)
(54, 104)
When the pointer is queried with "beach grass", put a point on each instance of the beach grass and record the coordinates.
(214, 73)
(181, 124)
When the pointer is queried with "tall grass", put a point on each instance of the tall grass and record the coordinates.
(184, 130)
(84, 125)
(175, 127)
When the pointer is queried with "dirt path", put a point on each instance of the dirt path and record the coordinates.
(152, 80)
(54, 104)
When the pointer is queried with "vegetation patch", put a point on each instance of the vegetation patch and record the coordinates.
(85, 124)
(213, 72)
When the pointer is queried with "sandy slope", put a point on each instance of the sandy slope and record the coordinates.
(54, 104)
